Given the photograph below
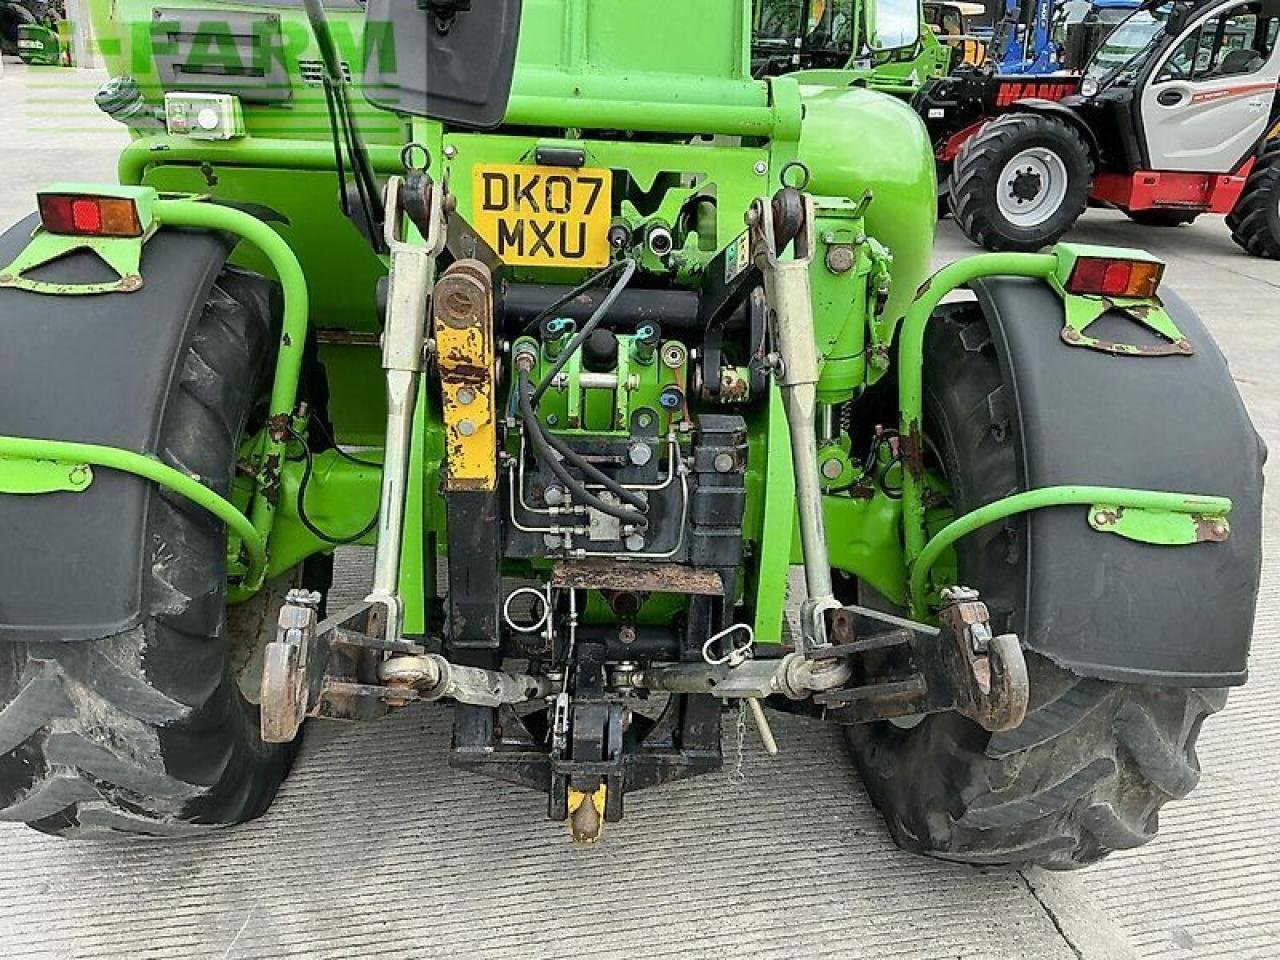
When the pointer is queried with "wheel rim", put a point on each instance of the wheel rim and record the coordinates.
(1031, 187)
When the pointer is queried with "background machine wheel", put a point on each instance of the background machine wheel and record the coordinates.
(150, 731)
(1255, 221)
(1021, 182)
(1091, 765)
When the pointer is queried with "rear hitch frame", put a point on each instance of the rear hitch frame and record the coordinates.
(879, 667)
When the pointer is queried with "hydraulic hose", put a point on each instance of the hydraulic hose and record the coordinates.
(577, 291)
(362, 168)
(545, 454)
(628, 268)
(594, 473)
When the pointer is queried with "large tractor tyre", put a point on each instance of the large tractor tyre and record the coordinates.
(150, 731)
(1020, 182)
(1255, 221)
(1161, 218)
(1089, 768)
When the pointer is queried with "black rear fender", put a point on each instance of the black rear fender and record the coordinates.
(95, 369)
(1096, 603)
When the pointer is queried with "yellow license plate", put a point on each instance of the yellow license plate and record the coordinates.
(543, 216)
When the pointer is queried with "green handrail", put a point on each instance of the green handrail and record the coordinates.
(1061, 496)
(911, 369)
(266, 152)
(293, 334)
(113, 458)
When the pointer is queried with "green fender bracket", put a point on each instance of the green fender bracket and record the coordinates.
(73, 456)
(123, 254)
(1147, 312)
(43, 476)
(1149, 516)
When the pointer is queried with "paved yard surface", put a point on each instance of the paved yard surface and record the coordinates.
(377, 848)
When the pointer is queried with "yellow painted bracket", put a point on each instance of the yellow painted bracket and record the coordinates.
(462, 321)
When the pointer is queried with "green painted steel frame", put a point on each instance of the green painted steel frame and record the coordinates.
(921, 556)
(1061, 496)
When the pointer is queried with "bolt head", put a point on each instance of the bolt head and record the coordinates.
(761, 167)
(466, 395)
(723, 462)
(640, 454)
(466, 428)
(450, 152)
(839, 259)
(832, 468)
(634, 543)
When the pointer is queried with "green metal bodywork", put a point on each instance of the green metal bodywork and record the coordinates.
(696, 124)
(787, 29)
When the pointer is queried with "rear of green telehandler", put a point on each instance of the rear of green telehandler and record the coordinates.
(592, 338)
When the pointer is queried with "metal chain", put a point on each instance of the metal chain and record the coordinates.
(737, 777)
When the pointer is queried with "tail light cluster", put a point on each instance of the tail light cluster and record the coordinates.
(72, 214)
(1112, 277)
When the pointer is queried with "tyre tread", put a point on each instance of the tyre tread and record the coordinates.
(145, 732)
(1093, 761)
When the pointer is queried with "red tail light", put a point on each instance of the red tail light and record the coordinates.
(89, 216)
(1105, 277)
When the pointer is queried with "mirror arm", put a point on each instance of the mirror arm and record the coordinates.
(362, 166)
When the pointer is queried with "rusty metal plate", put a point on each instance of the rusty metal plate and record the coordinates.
(643, 577)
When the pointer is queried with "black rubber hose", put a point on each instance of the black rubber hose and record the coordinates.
(628, 268)
(307, 470)
(594, 472)
(361, 166)
(343, 200)
(577, 291)
(546, 455)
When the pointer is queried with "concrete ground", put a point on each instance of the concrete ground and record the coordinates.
(376, 848)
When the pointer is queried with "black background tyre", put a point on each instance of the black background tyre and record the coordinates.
(1255, 221)
(1020, 182)
(149, 731)
(1161, 218)
(1089, 768)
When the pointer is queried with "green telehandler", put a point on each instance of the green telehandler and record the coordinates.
(594, 341)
